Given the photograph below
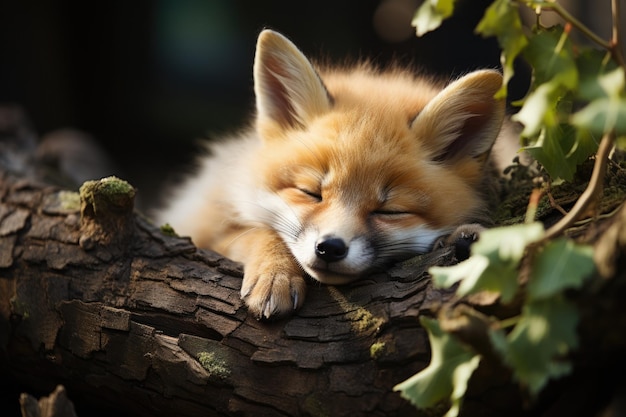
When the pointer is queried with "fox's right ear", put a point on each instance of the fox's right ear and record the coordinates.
(289, 92)
(464, 119)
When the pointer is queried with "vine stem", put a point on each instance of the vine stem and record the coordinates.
(616, 37)
(613, 46)
(568, 17)
(593, 190)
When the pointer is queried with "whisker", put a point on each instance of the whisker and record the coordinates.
(283, 224)
(240, 235)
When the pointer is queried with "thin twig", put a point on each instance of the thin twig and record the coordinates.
(553, 202)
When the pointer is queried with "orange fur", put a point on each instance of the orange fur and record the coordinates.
(345, 170)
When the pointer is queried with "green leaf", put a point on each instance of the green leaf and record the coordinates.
(540, 109)
(603, 83)
(536, 348)
(607, 111)
(431, 14)
(551, 149)
(613, 82)
(551, 55)
(447, 375)
(560, 265)
(602, 115)
(479, 274)
(554, 75)
(592, 64)
(585, 145)
(501, 19)
(493, 264)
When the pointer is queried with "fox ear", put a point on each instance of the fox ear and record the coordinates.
(288, 90)
(464, 119)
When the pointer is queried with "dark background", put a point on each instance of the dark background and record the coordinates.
(149, 78)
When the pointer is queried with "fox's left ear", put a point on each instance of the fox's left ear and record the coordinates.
(464, 119)
(289, 92)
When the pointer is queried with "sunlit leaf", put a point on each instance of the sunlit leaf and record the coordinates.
(592, 64)
(478, 273)
(540, 109)
(603, 115)
(536, 348)
(446, 376)
(507, 243)
(560, 265)
(431, 14)
(613, 82)
(501, 19)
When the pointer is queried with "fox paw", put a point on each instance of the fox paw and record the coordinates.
(272, 294)
(461, 239)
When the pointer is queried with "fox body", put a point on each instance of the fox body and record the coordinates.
(343, 171)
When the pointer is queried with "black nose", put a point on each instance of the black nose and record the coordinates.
(331, 249)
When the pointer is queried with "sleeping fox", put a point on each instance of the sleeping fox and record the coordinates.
(343, 171)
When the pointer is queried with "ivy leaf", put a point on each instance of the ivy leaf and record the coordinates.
(502, 21)
(555, 74)
(493, 264)
(584, 145)
(552, 57)
(478, 273)
(608, 111)
(592, 64)
(603, 115)
(447, 375)
(539, 110)
(561, 148)
(560, 265)
(431, 14)
(536, 347)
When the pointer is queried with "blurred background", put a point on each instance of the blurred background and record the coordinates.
(147, 79)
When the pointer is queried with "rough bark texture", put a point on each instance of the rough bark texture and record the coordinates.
(100, 300)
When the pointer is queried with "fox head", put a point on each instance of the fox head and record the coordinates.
(358, 167)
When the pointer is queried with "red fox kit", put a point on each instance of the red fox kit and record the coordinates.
(344, 170)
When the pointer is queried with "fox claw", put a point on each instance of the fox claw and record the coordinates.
(270, 308)
(294, 297)
(461, 239)
(272, 295)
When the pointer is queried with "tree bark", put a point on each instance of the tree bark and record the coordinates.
(95, 297)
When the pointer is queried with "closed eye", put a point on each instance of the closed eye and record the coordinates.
(312, 194)
(391, 213)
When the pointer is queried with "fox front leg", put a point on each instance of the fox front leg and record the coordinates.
(273, 282)
(461, 239)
